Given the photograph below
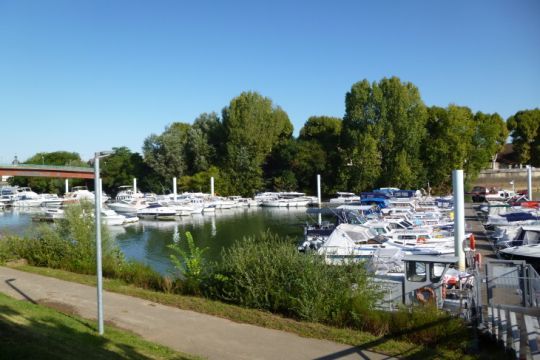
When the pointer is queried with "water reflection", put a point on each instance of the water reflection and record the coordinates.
(147, 240)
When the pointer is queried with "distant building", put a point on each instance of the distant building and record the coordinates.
(507, 158)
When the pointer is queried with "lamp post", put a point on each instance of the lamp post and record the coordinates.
(97, 217)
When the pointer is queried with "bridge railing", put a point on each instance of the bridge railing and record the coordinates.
(46, 167)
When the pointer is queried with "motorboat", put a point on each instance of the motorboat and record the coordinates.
(54, 213)
(529, 253)
(51, 201)
(81, 193)
(352, 244)
(126, 193)
(517, 236)
(345, 198)
(288, 199)
(110, 217)
(128, 207)
(157, 211)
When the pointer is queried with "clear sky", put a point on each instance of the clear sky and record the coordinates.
(89, 75)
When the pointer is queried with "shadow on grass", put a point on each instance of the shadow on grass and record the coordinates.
(441, 349)
(49, 336)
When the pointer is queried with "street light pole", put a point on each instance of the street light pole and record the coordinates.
(97, 217)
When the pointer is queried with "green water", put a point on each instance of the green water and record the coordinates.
(147, 240)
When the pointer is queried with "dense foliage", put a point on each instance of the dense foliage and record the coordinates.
(387, 137)
(525, 132)
(266, 272)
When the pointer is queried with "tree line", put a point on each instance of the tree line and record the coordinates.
(387, 137)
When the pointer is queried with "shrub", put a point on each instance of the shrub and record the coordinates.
(268, 273)
(138, 274)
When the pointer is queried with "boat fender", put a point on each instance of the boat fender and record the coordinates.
(478, 259)
(421, 240)
(425, 295)
(472, 242)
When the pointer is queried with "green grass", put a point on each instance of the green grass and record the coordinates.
(364, 340)
(30, 331)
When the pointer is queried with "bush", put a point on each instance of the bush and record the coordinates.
(268, 273)
(140, 275)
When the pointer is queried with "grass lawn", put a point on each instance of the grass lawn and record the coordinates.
(364, 340)
(29, 331)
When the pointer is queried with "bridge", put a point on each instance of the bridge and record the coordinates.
(50, 171)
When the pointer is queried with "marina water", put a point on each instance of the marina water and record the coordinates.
(147, 240)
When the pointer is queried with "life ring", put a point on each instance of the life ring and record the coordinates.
(421, 295)
(421, 240)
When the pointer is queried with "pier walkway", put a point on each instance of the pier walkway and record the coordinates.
(182, 330)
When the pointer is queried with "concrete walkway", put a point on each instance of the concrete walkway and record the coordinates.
(182, 330)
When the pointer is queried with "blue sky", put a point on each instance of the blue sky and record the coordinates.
(90, 75)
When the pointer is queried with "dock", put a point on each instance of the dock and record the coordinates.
(508, 296)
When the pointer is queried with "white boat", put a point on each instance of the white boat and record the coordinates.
(288, 199)
(341, 247)
(128, 207)
(158, 212)
(54, 213)
(517, 236)
(27, 202)
(126, 193)
(529, 253)
(51, 201)
(25, 197)
(345, 198)
(110, 217)
(81, 193)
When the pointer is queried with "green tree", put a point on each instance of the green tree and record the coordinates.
(391, 115)
(325, 131)
(166, 154)
(524, 128)
(121, 167)
(449, 143)
(252, 127)
(204, 142)
(49, 185)
(490, 134)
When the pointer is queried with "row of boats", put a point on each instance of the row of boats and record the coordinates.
(513, 225)
(384, 225)
(130, 204)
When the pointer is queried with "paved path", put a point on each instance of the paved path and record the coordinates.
(182, 330)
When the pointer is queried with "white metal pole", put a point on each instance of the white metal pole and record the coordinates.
(319, 217)
(459, 216)
(67, 185)
(529, 182)
(134, 185)
(97, 217)
(174, 187)
(212, 186)
(319, 189)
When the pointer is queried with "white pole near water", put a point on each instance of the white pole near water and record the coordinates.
(319, 218)
(459, 216)
(67, 185)
(212, 186)
(174, 187)
(529, 182)
(134, 185)
(319, 189)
